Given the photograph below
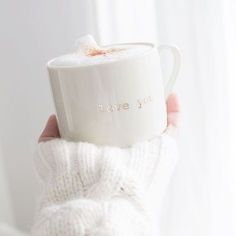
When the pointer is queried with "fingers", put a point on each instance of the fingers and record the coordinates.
(50, 131)
(173, 111)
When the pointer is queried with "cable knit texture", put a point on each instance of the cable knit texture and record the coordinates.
(94, 190)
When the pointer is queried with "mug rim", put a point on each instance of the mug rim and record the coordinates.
(151, 47)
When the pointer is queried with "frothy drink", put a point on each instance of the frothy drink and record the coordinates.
(89, 53)
(110, 95)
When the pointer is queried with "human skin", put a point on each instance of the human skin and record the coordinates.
(51, 130)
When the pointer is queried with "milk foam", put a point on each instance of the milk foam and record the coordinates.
(89, 53)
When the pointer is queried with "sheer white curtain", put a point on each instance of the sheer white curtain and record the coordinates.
(201, 197)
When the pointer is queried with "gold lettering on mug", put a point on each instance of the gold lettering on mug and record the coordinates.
(113, 107)
(126, 106)
(100, 108)
(141, 102)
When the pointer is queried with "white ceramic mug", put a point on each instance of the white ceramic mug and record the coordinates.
(119, 102)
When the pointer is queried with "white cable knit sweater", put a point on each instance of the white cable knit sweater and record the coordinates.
(92, 190)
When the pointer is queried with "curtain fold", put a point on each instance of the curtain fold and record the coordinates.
(6, 214)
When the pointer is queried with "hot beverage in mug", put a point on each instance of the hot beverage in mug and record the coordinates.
(111, 95)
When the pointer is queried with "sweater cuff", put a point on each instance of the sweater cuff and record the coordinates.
(70, 169)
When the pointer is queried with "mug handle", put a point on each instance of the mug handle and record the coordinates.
(169, 82)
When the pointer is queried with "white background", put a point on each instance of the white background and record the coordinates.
(200, 199)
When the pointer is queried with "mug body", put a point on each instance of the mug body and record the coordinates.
(118, 103)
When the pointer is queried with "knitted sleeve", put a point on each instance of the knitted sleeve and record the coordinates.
(91, 190)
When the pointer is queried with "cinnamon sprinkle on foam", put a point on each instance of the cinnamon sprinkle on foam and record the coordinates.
(97, 52)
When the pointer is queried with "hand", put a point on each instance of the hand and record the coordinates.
(51, 130)
(173, 111)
